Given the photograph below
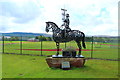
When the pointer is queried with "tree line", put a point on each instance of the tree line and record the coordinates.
(102, 39)
(15, 38)
(43, 38)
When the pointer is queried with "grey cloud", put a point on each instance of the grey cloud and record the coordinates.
(22, 13)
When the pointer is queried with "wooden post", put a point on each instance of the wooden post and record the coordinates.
(21, 45)
(41, 45)
(65, 44)
(3, 47)
(92, 47)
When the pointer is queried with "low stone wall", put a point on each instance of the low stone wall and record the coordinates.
(57, 62)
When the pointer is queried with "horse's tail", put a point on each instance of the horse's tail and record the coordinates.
(83, 40)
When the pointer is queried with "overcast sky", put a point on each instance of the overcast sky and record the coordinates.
(93, 17)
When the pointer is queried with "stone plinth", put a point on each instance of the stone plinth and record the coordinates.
(57, 62)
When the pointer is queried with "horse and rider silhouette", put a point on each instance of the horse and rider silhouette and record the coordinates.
(66, 35)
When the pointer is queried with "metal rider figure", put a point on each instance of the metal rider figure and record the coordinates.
(65, 24)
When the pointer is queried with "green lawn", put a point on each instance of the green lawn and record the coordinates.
(103, 51)
(21, 66)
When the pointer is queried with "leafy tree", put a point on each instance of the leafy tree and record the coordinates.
(48, 38)
(14, 38)
(41, 38)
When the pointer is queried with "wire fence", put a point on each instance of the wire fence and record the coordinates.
(97, 47)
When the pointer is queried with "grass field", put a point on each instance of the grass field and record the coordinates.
(21, 66)
(102, 50)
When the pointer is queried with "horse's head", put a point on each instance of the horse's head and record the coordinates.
(48, 26)
(52, 26)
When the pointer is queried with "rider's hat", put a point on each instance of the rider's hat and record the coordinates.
(67, 15)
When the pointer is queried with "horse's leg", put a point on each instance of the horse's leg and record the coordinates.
(79, 46)
(57, 44)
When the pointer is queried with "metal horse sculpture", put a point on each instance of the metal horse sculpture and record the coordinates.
(75, 35)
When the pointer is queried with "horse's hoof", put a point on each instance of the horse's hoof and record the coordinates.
(78, 55)
(56, 54)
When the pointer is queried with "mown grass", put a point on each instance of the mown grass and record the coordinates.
(21, 66)
(103, 51)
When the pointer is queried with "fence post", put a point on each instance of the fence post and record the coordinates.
(65, 44)
(21, 45)
(92, 48)
(3, 47)
(41, 45)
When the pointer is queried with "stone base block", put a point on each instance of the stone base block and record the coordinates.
(57, 62)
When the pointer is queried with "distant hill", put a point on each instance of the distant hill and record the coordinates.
(44, 34)
(25, 34)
